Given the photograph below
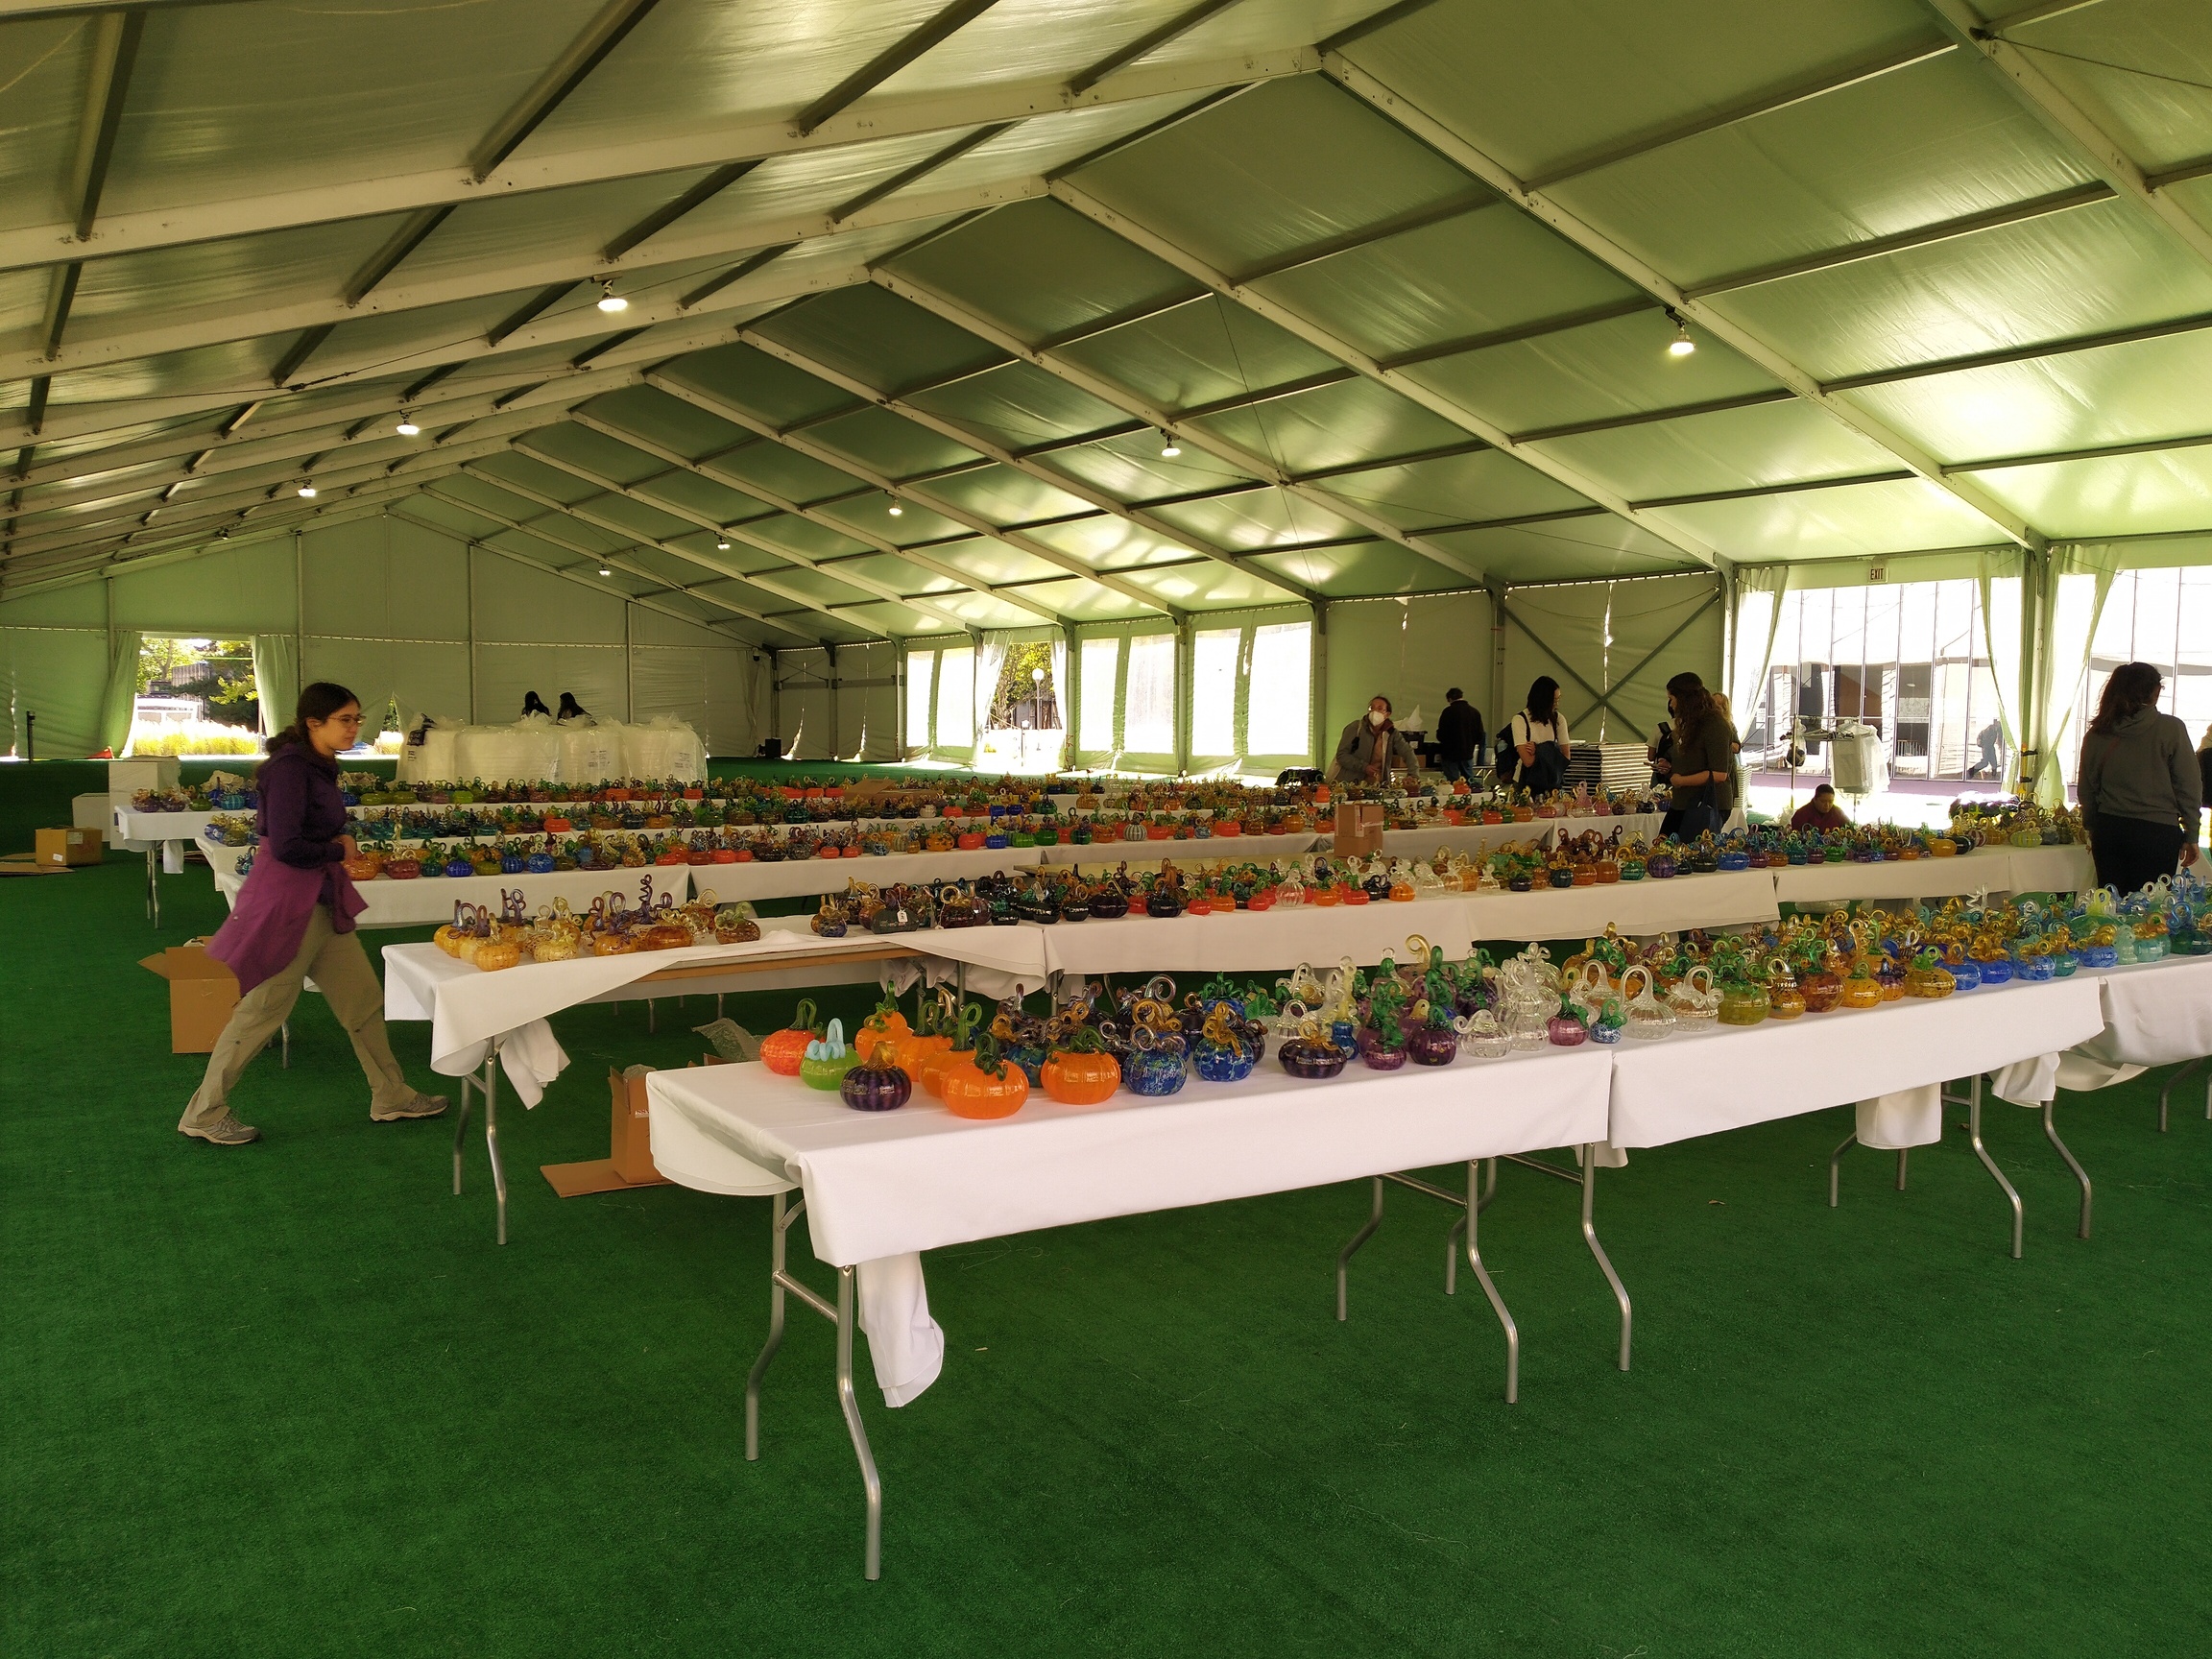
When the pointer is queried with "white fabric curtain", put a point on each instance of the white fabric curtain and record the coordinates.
(276, 686)
(1758, 614)
(121, 698)
(2000, 620)
(990, 659)
(1063, 694)
(2080, 579)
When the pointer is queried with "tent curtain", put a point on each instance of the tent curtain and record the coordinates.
(277, 684)
(1063, 694)
(2001, 582)
(121, 697)
(2080, 577)
(1758, 615)
(990, 660)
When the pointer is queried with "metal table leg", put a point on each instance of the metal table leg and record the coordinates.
(1590, 1237)
(2167, 1090)
(1482, 1278)
(844, 1317)
(2051, 1132)
(1344, 1256)
(1973, 1102)
(486, 1080)
(153, 882)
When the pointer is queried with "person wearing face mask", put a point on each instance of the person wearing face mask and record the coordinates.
(1371, 748)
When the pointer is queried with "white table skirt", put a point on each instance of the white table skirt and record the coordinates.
(145, 826)
(1249, 942)
(1988, 870)
(804, 877)
(2155, 1014)
(1729, 1077)
(1638, 907)
(429, 902)
(2050, 869)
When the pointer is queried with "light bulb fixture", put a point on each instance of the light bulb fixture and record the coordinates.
(605, 571)
(897, 510)
(722, 544)
(407, 427)
(1681, 345)
(610, 300)
(306, 491)
(1168, 447)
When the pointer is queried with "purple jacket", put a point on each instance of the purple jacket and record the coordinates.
(296, 868)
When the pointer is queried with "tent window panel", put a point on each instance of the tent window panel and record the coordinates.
(1214, 691)
(921, 686)
(1100, 668)
(1280, 691)
(956, 698)
(1148, 722)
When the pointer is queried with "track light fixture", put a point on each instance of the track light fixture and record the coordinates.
(407, 427)
(1681, 345)
(610, 300)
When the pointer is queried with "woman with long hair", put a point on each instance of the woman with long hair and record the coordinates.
(1371, 746)
(1537, 740)
(1697, 758)
(2139, 783)
(294, 919)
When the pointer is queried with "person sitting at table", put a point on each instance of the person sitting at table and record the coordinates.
(2139, 783)
(294, 918)
(1820, 813)
(1371, 747)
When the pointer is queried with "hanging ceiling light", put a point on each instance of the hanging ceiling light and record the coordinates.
(897, 510)
(610, 300)
(721, 544)
(306, 491)
(1681, 345)
(1168, 447)
(605, 571)
(407, 427)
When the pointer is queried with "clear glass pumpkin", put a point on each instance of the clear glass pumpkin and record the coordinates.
(1649, 1019)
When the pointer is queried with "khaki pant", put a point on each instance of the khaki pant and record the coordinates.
(340, 969)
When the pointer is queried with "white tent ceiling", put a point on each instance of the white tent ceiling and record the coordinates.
(917, 293)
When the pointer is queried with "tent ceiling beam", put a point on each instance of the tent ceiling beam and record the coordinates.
(632, 541)
(609, 487)
(569, 573)
(1536, 331)
(2073, 125)
(174, 226)
(1117, 396)
(2021, 353)
(878, 544)
(2094, 453)
(180, 551)
(940, 28)
(1344, 352)
(1544, 210)
(1152, 40)
(562, 77)
(890, 487)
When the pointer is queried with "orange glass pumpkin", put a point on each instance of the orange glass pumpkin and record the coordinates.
(1082, 1074)
(885, 1025)
(929, 1069)
(984, 1084)
(780, 1051)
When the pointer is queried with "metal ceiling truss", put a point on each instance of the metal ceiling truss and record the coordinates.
(1344, 352)
(1121, 398)
(799, 510)
(1445, 142)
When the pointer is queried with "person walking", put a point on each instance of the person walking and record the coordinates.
(1459, 739)
(2140, 785)
(1538, 742)
(294, 918)
(1987, 740)
(1371, 747)
(1696, 759)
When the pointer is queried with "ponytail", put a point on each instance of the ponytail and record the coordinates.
(317, 701)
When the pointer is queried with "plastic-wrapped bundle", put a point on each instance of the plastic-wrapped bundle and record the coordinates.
(431, 750)
(664, 747)
(523, 753)
(591, 753)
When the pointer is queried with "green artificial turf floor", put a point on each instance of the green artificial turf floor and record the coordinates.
(290, 1399)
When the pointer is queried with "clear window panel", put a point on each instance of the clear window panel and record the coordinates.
(1279, 702)
(1101, 664)
(921, 686)
(956, 698)
(1148, 725)
(1214, 691)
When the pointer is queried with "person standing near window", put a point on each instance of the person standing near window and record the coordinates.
(1538, 740)
(1459, 737)
(294, 918)
(1370, 747)
(2140, 785)
(1696, 759)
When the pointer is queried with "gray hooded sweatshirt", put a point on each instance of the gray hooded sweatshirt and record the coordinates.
(2144, 769)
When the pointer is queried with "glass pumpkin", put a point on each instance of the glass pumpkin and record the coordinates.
(783, 1051)
(827, 1060)
(1310, 1054)
(983, 1084)
(1080, 1073)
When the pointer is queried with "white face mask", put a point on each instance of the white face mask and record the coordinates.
(1376, 716)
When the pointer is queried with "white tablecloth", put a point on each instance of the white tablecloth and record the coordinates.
(883, 1187)
(429, 902)
(803, 878)
(1638, 907)
(144, 827)
(1986, 870)
(1729, 1077)
(1248, 942)
(2051, 869)
(2155, 1014)
(1213, 849)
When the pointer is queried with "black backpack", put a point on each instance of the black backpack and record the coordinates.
(1508, 759)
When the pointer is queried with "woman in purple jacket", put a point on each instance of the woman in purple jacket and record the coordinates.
(294, 918)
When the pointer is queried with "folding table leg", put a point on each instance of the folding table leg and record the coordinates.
(491, 1139)
(778, 1224)
(1482, 1278)
(153, 884)
(1590, 1237)
(1836, 1167)
(871, 1482)
(461, 1129)
(1974, 1138)
(2177, 1077)
(2051, 1132)
(1344, 1256)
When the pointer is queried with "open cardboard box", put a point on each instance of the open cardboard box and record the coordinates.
(201, 993)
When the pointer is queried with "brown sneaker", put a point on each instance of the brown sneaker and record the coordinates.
(222, 1130)
(421, 1106)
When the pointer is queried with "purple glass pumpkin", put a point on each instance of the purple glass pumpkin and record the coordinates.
(870, 1088)
(1379, 1056)
(1312, 1060)
(1433, 1046)
(1565, 1031)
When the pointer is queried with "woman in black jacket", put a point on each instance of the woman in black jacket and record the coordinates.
(2140, 785)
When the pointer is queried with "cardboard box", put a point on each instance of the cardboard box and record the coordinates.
(201, 993)
(126, 777)
(53, 848)
(631, 1151)
(1358, 829)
